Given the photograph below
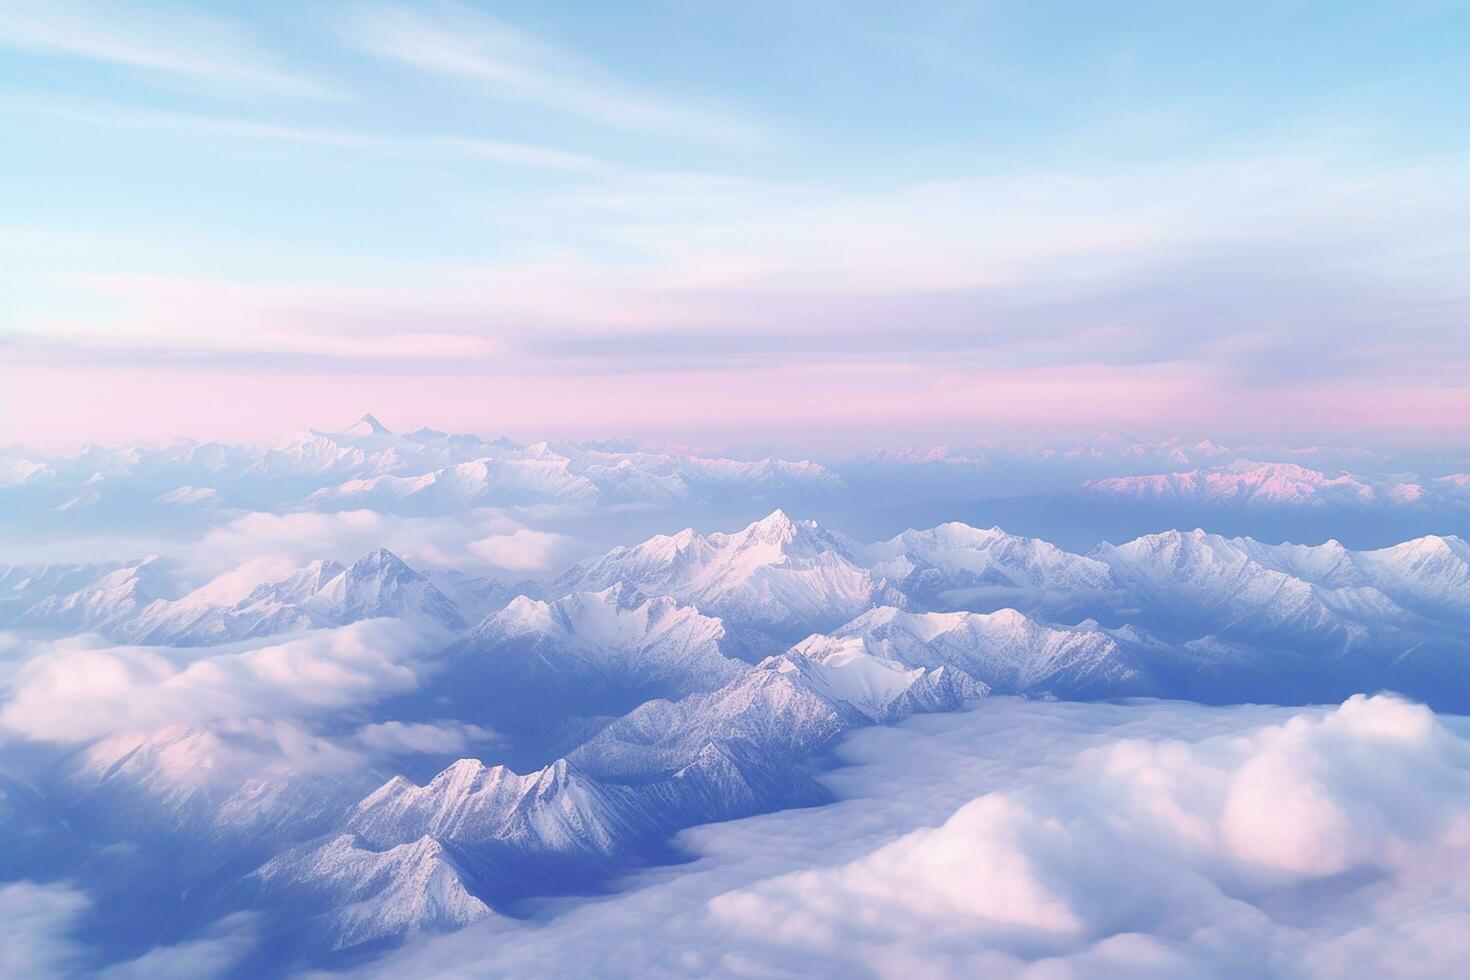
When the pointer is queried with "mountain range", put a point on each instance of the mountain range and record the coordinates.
(366, 465)
(662, 618)
(685, 679)
(1105, 486)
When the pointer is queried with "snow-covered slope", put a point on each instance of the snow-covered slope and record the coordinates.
(382, 584)
(768, 709)
(1004, 651)
(17, 471)
(204, 617)
(670, 477)
(780, 579)
(882, 689)
(773, 582)
(614, 714)
(202, 793)
(540, 478)
(1209, 583)
(103, 604)
(1256, 484)
(552, 829)
(22, 586)
(358, 894)
(556, 810)
(589, 653)
(955, 566)
(321, 594)
(743, 748)
(666, 765)
(1431, 573)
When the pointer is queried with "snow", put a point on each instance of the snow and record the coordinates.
(371, 895)
(781, 576)
(1257, 484)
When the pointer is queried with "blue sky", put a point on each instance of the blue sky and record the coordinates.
(860, 222)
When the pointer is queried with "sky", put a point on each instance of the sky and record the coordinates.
(815, 224)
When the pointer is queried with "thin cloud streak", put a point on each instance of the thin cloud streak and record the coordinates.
(514, 65)
(1013, 273)
(179, 44)
(406, 146)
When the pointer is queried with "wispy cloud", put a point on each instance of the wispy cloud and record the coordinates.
(227, 318)
(1013, 271)
(523, 155)
(514, 65)
(175, 43)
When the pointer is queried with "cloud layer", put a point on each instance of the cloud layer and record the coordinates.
(1046, 840)
(41, 935)
(478, 541)
(78, 689)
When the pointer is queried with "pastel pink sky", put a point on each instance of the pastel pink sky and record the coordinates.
(1021, 223)
(836, 406)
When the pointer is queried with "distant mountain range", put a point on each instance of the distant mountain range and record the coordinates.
(367, 466)
(1252, 484)
(428, 472)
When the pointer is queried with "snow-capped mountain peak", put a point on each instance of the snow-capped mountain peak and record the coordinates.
(371, 894)
(368, 424)
(1430, 571)
(775, 527)
(555, 809)
(382, 584)
(323, 593)
(776, 537)
(600, 652)
(847, 672)
(955, 565)
(1003, 650)
(780, 577)
(106, 602)
(1250, 483)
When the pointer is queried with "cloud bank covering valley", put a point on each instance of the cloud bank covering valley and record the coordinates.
(1037, 840)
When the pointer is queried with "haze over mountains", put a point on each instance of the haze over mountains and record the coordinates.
(318, 747)
(1077, 495)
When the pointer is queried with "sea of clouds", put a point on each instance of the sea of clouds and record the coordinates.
(1035, 839)
(1015, 838)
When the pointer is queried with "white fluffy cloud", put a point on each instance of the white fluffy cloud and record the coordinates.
(1167, 839)
(1061, 840)
(422, 738)
(524, 550)
(213, 954)
(484, 540)
(35, 923)
(75, 689)
(40, 936)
